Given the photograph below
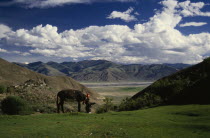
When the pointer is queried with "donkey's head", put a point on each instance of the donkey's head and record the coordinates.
(86, 98)
(88, 106)
(88, 103)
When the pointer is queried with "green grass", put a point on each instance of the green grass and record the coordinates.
(166, 122)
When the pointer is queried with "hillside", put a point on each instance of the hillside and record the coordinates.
(188, 86)
(105, 71)
(34, 87)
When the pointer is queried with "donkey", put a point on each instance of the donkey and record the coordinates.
(74, 95)
(88, 107)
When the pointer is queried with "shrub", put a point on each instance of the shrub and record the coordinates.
(125, 104)
(2, 89)
(44, 108)
(100, 110)
(14, 105)
(10, 90)
(106, 107)
(146, 100)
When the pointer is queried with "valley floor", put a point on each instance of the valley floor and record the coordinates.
(166, 121)
(117, 90)
(116, 84)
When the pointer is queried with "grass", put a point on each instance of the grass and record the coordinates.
(166, 121)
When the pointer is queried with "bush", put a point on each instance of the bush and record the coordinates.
(44, 108)
(146, 100)
(106, 107)
(14, 105)
(10, 90)
(2, 89)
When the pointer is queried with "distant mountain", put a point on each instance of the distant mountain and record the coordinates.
(102, 70)
(188, 86)
(177, 65)
(42, 68)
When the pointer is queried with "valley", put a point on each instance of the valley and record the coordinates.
(105, 68)
(116, 91)
(165, 120)
(115, 84)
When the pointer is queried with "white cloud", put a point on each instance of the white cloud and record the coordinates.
(4, 30)
(53, 3)
(193, 24)
(20, 53)
(192, 9)
(155, 41)
(3, 50)
(126, 16)
(136, 13)
(14, 52)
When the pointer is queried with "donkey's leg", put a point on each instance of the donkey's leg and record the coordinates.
(62, 103)
(58, 104)
(79, 106)
(58, 108)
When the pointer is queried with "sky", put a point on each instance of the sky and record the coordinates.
(122, 31)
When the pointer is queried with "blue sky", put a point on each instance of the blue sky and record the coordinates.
(125, 31)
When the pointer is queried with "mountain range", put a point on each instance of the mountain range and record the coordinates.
(104, 71)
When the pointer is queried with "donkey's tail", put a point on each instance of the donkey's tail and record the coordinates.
(57, 105)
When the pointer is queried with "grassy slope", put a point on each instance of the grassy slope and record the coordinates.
(188, 86)
(166, 121)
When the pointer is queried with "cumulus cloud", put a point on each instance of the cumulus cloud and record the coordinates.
(192, 9)
(126, 16)
(14, 52)
(4, 30)
(193, 24)
(155, 41)
(53, 3)
(3, 50)
(20, 53)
